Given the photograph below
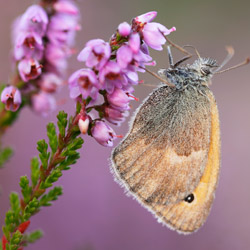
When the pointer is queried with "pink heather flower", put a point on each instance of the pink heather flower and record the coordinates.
(132, 77)
(133, 54)
(144, 49)
(11, 97)
(67, 7)
(151, 33)
(111, 76)
(134, 42)
(145, 18)
(56, 58)
(129, 67)
(29, 45)
(35, 19)
(43, 103)
(114, 116)
(128, 89)
(62, 29)
(84, 82)
(96, 53)
(143, 58)
(103, 134)
(124, 56)
(119, 99)
(83, 124)
(124, 29)
(50, 82)
(29, 69)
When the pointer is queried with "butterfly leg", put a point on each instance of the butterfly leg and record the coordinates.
(170, 57)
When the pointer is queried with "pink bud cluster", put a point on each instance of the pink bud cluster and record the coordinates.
(112, 71)
(43, 38)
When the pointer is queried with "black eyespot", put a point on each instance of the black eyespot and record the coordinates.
(189, 198)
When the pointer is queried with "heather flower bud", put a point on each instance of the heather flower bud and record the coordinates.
(29, 69)
(103, 133)
(23, 226)
(83, 124)
(124, 29)
(4, 242)
(11, 97)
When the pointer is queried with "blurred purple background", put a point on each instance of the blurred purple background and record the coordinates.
(94, 213)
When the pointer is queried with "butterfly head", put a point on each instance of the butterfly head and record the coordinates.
(204, 66)
(200, 72)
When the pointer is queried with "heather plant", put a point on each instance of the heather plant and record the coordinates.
(43, 39)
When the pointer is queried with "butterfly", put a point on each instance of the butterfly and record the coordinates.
(170, 159)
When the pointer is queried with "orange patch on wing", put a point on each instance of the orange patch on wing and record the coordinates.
(211, 172)
(188, 217)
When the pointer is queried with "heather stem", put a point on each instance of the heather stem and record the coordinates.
(37, 191)
(55, 156)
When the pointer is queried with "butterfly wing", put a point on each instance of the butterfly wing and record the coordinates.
(187, 217)
(163, 157)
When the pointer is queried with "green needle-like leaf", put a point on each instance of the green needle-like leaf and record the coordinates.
(42, 147)
(51, 196)
(33, 236)
(25, 188)
(35, 171)
(62, 122)
(51, 133)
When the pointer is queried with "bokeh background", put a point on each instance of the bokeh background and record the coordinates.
(94, 213)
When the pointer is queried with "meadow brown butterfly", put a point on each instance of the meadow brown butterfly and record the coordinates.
(170, 159)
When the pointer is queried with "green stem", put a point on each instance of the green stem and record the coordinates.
(37, 191)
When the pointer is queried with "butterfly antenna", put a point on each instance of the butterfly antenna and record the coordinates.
(234, 67)
(230, 53)
(155, 75)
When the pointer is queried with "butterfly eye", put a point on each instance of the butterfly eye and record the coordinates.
(205, 71)
(189, 198)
